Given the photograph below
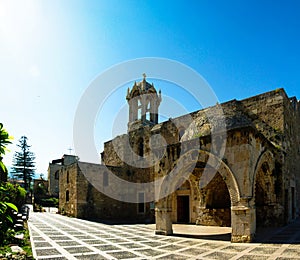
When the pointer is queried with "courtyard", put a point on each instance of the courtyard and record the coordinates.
(55, 236)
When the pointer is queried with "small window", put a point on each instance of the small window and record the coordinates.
(68, 177)
(105, 179)
(141, 204)
(67, 196)
(152, 205)
(141, 148)
(56, 176)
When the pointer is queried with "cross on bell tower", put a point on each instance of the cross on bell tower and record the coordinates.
(143, 102)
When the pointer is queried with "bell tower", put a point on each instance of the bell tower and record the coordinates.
(143, 102)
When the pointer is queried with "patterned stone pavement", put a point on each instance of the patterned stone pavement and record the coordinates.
(58, 237)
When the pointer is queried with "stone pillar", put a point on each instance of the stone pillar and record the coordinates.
(163, 221)
(243, 223)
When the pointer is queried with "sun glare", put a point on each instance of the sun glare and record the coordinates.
(18, 21)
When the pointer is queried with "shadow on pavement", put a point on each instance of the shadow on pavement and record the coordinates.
(289, 234)
(219, 237)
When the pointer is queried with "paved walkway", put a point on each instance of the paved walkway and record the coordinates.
(58, 237)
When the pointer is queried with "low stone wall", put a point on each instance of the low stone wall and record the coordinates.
(214, 217)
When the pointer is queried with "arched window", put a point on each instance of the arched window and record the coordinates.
(56, 175)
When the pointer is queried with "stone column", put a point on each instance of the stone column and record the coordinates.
(243, 222)
(163, 221)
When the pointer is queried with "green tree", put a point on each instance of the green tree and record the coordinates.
(23, 163)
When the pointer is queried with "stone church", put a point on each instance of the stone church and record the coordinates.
(233, 164)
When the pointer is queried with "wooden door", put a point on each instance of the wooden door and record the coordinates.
(183, 209)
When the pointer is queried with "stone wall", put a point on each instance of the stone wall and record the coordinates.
(214, 217)
(291, 157)
(86, 201)
(68, 186)
(127, 149)
(53, 187)
(268, 108)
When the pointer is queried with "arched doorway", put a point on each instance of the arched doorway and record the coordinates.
(268, 210)
(263, 196)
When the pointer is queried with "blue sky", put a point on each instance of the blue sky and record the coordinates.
(50, 51)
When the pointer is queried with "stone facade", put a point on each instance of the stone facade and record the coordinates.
(233, 164)
(256, 181)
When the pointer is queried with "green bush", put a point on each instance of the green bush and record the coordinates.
(4, 139)
(11, 196)
(47, 202)
(14, 193)
(6, 216)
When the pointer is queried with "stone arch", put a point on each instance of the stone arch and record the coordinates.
(187, 162)
(183, 168)
(223, 169)
(265, 157)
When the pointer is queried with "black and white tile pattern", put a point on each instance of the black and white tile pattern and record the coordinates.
(58, 237)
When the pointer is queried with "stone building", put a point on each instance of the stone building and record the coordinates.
(53, 172)
(233, 164)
